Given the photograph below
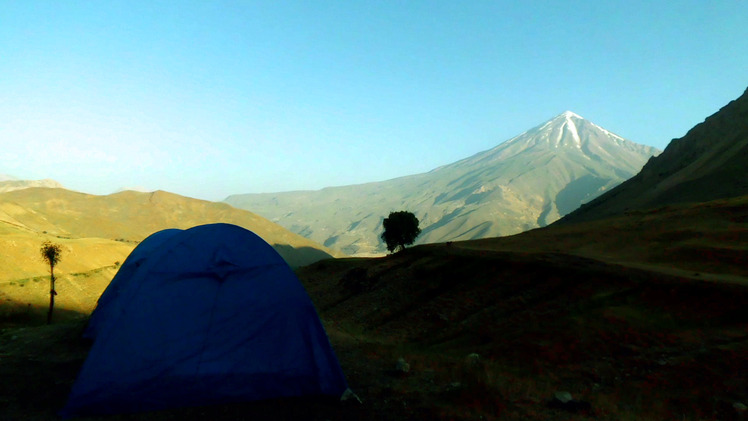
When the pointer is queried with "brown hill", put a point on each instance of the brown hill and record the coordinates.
(642, 317)
(709, 162)
(132, 216)
(97, 233)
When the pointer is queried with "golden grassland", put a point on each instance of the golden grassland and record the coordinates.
(129, 217)
(642, 317)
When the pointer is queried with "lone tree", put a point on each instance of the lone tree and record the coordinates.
(400, 230)
(51, 253)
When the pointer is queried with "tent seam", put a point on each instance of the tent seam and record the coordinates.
(210, 328)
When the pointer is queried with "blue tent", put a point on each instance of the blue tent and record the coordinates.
(124, 282)
(203, 316)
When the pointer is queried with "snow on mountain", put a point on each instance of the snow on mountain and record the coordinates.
(525, 182)
(12, 184)
(139, 189)
(708, 163)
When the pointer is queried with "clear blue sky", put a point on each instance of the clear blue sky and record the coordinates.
(211, 98)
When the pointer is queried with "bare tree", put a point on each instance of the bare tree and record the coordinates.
(52, 253)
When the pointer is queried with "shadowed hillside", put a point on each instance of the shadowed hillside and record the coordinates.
(639, 317)
(709, 162)
(639, 312)
(494, 329)
(707, 240)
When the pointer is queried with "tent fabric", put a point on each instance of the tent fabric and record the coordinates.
(107, 303)
(203, 316)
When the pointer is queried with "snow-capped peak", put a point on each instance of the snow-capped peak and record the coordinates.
(573, 129)
(569, 114)
(566, 121)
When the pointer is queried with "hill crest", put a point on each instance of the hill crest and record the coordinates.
(132, 216)
(9, 183)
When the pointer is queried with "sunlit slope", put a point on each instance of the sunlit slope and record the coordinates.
(132, 216)
(21, 259)
(709, 162)
(86, 267)
(525, 182)
(23, 230)
(97, 233)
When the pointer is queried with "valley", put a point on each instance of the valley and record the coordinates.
(494, 328)
(622, 310)
(375, 211)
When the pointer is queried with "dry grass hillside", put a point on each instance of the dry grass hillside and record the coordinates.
(640, 318)
(97, 233)
(86, 268)
(132, 216)
(10, 184)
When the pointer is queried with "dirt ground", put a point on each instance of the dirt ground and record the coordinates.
(486, 335)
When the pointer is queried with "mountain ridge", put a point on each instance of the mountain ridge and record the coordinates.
(708, 163)
(131, 216)
(10, 183)
(510, 188)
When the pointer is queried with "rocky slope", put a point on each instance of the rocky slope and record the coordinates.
(526, 182)
(709, 162)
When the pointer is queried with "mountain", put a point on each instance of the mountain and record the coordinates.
(526, 182)
(8, 183)
(131, 216)
(710, 162)
(140, 189)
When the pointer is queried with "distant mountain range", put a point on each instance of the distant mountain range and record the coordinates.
(9, 183)
(710, 162)
(526, 182)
